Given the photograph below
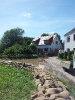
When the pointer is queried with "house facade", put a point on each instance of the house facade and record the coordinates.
(47, 44)
(69, 43)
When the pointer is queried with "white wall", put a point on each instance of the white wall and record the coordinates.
(53, 46)
(70, 44)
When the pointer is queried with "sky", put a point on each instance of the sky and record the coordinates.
(37, 16)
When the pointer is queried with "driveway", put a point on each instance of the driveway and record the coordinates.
(59, 68)
(56, 61)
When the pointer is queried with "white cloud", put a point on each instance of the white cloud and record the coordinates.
(27, 15)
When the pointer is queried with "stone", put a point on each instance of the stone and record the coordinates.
(71, 98)
(53, 96)
(61, 84)
(34, 96)
(53, 90)
(60, 99)
(64, 94)
(39, 98)
(46, 86)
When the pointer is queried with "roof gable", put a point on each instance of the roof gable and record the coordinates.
(70, 32)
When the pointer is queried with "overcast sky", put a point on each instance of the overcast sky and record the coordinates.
(37, 16)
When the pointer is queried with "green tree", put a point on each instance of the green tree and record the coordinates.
(45, 34)
(15, 49)
(58, 35)
(27, 41)
(11, 37)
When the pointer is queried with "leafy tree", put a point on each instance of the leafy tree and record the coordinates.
(15, 49)
(33, 48)
(45, 34)
(57, 35)
(27, 40)
(11, 37)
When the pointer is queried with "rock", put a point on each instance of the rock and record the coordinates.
(60, 99)
(46, 86)
(40, 93)
(64, 94)
(39, 98)
(40, 87)
(71, 98)
(53, 96)
(53, 91)
(37, 82)
(34, 96)
(60, 84)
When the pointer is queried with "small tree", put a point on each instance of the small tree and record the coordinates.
(65, 55)
(45, 34)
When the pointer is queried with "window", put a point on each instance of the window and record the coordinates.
(45, 49)
(68, 39)
(46, 41)
(74, 49)
(56, 42)
(74, 37)
(68, 49)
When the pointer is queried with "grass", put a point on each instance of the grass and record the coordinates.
(15, 83)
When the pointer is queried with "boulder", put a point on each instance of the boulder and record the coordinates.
(40, 98)
(60, 99)
(64, 94)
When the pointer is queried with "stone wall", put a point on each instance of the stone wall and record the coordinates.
(48, 88)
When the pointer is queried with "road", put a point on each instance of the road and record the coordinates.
(55, 64)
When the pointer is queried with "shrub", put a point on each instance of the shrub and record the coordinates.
(61, 55)
(69, 55)
(65, 55)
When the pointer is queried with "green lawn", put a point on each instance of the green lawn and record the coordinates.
(15, 83)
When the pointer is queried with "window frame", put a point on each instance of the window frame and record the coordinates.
(68, 39)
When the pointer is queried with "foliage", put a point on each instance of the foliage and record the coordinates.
(45, 34)
(15, 49)
(69, 55)
(65, 55)
(61, 55)
(20, 52)
(11, 37)
(26, 41)
(15, 83)
(33, 48)
(57, 35)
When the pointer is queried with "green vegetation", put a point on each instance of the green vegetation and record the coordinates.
(13, 43)
(69, 86)
(66, 55)
(15, 83)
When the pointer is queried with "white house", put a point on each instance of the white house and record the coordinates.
(69, 43)
(46, 44)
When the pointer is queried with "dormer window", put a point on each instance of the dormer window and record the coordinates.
(46, 41)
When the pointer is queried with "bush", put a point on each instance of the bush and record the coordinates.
(70, 55)
(65, 55)
(61, 55)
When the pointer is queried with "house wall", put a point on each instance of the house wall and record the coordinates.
(70, 44)
(53, 45)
